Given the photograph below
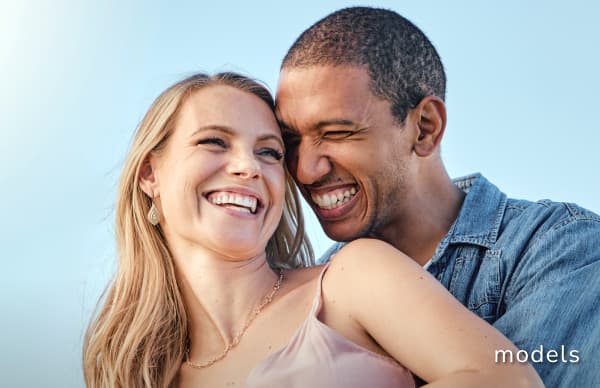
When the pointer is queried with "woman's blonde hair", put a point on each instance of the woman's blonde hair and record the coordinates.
(139, 336)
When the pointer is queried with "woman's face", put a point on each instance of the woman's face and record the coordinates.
(219, 182)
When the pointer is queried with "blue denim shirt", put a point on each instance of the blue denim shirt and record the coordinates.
(532, 270)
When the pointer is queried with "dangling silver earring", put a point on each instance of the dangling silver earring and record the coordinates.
(153, 216)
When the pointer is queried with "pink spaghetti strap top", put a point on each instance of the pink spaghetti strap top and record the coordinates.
(318, 356)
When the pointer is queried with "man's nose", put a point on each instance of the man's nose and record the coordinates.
(311, 164)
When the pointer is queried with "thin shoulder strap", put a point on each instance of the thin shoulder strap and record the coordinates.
(318, 301)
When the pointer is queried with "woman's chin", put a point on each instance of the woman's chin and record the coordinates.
(240, 249)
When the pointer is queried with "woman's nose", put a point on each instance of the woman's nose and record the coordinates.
(244, 165)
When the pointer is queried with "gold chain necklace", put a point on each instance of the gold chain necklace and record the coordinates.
(238, 337)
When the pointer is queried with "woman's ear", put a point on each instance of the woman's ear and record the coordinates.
(147, 178)
(431, 123)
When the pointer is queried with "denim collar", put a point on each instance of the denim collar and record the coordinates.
(479, 219)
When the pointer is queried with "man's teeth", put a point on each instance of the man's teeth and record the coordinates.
(334, 199)
(234, 201)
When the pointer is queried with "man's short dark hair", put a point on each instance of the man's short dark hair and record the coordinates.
(403, 64)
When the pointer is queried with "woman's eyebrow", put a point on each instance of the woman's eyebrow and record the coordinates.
(230, 131)
(270, 136)
(215, 127)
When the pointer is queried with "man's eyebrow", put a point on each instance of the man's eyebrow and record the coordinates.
(320, 125)
(342, 122)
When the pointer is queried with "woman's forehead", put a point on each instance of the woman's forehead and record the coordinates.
(223, 106)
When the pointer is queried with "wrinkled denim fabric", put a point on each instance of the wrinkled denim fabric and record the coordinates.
(532, 270)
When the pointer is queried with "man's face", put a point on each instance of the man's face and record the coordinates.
(351, 160)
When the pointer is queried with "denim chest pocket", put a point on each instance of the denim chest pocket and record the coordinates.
(475, 281)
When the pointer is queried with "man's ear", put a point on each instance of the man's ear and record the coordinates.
(431, 123)
(147, 178)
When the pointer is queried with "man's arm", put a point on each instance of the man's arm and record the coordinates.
(551, 305)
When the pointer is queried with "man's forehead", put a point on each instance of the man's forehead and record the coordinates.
(307, 97)
(315, 78)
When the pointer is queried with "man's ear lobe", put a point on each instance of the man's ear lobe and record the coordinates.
(147, 178)
(431, 123)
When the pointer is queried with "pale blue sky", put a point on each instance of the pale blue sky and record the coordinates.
(77, 76)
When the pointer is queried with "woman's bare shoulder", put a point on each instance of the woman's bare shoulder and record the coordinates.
(364, 267)
(301, 280)
(303, 274)
(368, 255)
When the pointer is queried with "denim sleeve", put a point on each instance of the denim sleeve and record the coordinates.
(551, 304)
(332, 250)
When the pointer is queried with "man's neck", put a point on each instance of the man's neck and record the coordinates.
(419, 230)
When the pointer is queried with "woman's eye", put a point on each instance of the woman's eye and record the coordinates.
(213, 141)
(271, 153)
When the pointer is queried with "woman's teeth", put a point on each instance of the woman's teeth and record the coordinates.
(333, 199)
(243, 203)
